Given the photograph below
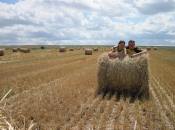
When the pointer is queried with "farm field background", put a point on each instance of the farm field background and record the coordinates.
(56, 90)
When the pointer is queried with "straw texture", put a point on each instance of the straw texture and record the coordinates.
(124, 74)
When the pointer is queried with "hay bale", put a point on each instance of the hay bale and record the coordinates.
(148, 48)
(25, 50)
(62, 49)
(88, 51)
(15, 50)
(155, 48)
(126, 75)
(95, 49)
(19, 49)
(71, 49)
(2, 52)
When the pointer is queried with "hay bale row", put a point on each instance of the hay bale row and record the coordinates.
(62, 49)
(88, 51)
(126, 75)
(2, 52)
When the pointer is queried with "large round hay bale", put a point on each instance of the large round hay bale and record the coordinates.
(62, 49)
(2, 52)
(155, 48)
(71, 49)
(88, 51)
(15, 50)
(95, 49)
(124, 75)
(25, 50)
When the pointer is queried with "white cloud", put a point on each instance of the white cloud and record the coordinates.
(156, 24)
(86, 21)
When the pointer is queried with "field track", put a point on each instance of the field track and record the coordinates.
(53, 90)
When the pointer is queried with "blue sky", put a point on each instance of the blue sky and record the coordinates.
(87, 22)
(9, 1)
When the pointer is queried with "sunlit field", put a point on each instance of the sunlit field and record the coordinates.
(47, 89)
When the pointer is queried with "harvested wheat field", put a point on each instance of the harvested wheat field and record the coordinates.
(47, 89)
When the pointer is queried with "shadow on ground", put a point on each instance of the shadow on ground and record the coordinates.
(109, 93)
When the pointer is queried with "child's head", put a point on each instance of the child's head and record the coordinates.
(121, 44)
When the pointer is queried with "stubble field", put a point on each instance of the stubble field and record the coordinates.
(55, 90)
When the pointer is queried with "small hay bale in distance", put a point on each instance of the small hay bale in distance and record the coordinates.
(71, 49)
(124, 75)
(62, 49)
(14, 49)
(2, 52)
(88, 51)
(19, 49)
(155, 48)
(25, 50)
(95, 49)
(148, 48)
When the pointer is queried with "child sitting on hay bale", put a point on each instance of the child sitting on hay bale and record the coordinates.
(118, 51)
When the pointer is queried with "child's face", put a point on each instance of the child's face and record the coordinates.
(121, 46)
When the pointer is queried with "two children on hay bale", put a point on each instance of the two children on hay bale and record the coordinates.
(124, 70)
(120, 50)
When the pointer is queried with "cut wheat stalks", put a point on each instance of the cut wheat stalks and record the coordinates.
(4, 114)
(126, 75)
(6, 95)
(135, 125)
(88, 51)
(6, 120)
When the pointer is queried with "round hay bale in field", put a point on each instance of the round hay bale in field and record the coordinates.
(148, 48)
(62, 49)
(88, 51)
(71, 49)
(25, 50)
(19, 49)
(95, 49)
(155, 48)
(15, 50)
(124, 75)
(2, 52)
